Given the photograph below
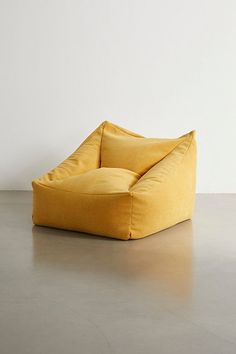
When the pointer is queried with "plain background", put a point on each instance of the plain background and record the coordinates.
(160, 68)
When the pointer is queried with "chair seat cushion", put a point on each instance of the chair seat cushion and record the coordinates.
(94, 202)
(98, 181)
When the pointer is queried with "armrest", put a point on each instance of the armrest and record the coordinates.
(165, 195)
(183, 155)
(85, 158)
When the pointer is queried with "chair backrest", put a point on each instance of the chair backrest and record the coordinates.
(121, 148)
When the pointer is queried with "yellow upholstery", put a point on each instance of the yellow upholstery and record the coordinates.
(119, 184)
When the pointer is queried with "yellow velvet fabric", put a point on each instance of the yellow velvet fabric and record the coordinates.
(119, 184)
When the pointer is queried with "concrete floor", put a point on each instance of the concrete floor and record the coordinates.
(65, 292)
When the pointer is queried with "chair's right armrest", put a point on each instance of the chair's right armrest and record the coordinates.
(183, 156)
(165, 195)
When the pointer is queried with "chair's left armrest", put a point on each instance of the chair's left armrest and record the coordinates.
(85, 158)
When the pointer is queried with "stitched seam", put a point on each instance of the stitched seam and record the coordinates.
(65, 190)
(131, 214)
(128, 132)
(190, 140)
(185, 153)
(190, 143)
(101, 143)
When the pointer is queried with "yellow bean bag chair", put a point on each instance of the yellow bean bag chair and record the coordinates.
(119, 184)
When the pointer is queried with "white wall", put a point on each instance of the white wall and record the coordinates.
(160, 68)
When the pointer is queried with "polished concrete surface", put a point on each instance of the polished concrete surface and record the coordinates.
(66, 292)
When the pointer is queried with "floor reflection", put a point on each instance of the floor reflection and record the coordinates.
(162, 261)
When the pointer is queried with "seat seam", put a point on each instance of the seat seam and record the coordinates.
(65, 190)
(131, 214)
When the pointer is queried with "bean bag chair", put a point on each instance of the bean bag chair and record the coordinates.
(119, 184)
